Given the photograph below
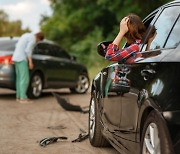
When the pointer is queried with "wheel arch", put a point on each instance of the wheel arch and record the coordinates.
(144, 116)
(93, 88)
(167, 146)
(84, 71)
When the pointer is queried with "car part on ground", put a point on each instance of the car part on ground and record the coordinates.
(49, 140)
(81, 137)
(68, 106)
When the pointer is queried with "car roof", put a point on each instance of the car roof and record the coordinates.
(48, 42)
(176, 2)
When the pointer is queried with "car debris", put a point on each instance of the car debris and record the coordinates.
(49, 140)
(68, 106)
(81, 137)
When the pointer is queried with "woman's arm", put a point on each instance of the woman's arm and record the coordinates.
(123, 30)
(113, 52)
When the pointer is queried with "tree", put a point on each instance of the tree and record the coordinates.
(79, 25)
(10, 28)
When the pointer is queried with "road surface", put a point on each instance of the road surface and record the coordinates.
(22, 126)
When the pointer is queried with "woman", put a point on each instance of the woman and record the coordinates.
(132, 29)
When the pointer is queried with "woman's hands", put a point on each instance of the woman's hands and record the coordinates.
(122, 32)
(123, 25)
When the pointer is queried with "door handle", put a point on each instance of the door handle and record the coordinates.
(148, 73)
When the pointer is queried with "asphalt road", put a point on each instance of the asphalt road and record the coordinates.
(22, 126)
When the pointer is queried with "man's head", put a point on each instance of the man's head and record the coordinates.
(39, 36)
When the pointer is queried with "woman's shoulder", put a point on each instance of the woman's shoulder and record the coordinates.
(135, 45)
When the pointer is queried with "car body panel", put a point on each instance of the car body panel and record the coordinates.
(127, 93)
(7, 76)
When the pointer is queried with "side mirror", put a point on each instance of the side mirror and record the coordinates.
(102, 46)
(73, 58)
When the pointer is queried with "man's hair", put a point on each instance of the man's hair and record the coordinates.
(136, 28)
(40, 35)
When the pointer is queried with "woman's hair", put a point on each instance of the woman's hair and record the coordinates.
(136, 28)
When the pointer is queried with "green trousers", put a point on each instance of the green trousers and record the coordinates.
(22, 79)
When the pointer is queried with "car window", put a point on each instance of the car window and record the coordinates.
(174, 38)
(163, 26)
(7, 45)
(64, 54)
(51, 50)
(42, 49)
(61, 52)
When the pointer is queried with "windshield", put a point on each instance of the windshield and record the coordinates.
(7, 45)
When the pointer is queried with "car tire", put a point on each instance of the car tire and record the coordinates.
(35, 86)
(155, 137)
(82, 85)
(96, 137)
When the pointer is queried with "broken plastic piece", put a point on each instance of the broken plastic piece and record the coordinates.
(81, 137)
(49, 140)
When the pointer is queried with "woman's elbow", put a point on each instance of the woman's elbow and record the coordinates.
(108, 57)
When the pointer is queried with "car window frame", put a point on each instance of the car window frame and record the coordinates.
(161, 10)
(178, 18)
(64, 52)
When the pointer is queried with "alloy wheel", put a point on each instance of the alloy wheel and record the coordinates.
(36, 86)
(151, 143)
(92, 119)
(83, 84)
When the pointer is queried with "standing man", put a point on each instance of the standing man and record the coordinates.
(22, 58)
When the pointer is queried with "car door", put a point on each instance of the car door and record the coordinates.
(144, 74)
(68, 69)
(44, 61)
(111, 105)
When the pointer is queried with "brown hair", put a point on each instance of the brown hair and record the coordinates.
(136, 28)
(40, 35)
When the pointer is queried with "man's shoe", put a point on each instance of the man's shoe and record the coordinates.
(25, 101)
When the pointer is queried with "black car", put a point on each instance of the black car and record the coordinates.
(136, 107)
(53, 68)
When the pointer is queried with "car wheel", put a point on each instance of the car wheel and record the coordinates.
(155, 138)
(82, 85)
(35, 86)
(95, 135)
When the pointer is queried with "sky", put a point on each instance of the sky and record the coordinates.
(28, 11)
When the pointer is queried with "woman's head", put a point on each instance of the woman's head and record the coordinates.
(136, 28)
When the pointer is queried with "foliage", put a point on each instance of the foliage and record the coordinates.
(10, 28)
(79, 25)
